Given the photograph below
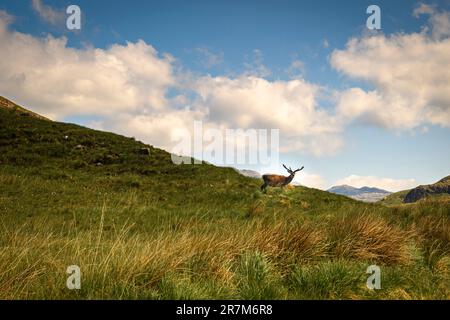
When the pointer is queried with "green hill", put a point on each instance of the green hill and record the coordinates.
(141, 227)
(395, 198)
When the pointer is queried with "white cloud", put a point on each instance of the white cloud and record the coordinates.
(47, 13)
(296, 69)
(254, 102)
(423, 8)
(127, 85)
(243, 103)
(410, 75)
(161, 129)
(439, 21)
(59, 81)
(255, 66)
(5, 19)
(310, 180)
(209, 58)
(388, 184)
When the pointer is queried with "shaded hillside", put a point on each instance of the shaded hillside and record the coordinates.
(442, 187)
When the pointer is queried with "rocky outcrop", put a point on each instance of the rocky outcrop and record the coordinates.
(420, 192)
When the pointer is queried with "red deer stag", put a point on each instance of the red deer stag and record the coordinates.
(275, 180)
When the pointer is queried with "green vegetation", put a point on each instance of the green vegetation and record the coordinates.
(394, 198)
(141, 227)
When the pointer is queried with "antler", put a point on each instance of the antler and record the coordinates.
(286, 168)
(299, 169)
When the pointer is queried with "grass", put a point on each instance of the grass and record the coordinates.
(140, 227)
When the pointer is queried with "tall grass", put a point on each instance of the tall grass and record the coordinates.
(257, 259)
(368, 237)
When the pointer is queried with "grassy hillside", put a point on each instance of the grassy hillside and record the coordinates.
(395, 198)
(141, 227)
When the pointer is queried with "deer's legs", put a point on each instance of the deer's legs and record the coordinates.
(263, 187)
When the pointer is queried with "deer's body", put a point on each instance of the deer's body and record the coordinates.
(275, 180)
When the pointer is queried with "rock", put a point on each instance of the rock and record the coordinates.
(79, 147)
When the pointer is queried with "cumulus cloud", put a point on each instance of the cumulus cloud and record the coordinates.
(388, 184)
(296, 69)
(255, 65)
(254, 102)
(126, 87)
(59, 81)
(310, 180)
(161, 129)
(410, 75)
(439, 21)
(47, 13)
(243, 103)
(423, 8)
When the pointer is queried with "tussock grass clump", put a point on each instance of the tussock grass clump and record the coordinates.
(368, 237)
(327, 280)
(289, 241)
(256, 277)
(434, 233)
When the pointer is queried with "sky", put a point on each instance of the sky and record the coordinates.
(352, 105)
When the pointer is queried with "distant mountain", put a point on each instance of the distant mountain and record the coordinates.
(250, 173)
(366, 194)
(420, 192)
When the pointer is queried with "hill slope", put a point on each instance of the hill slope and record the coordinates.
(141, 227)
(18, 110)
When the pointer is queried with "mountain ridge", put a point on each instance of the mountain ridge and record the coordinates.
(366, 194)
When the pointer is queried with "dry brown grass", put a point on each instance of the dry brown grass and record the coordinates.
(32, 266)
(368, 237)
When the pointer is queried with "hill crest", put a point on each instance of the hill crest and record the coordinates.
(9, 105)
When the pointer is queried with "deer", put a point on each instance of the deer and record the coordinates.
(275, 180)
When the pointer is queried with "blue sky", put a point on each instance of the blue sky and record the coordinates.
(231, 39)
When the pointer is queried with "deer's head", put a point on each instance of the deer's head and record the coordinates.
(292, 172)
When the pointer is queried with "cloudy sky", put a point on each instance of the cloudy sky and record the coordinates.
(353, 106)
